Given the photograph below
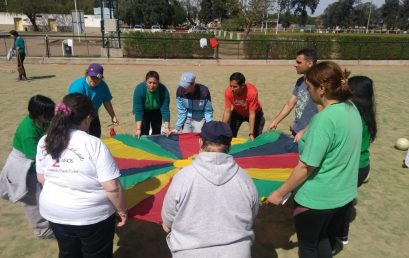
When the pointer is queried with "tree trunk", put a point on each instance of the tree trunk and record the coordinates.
(32, 18)
(247, 31)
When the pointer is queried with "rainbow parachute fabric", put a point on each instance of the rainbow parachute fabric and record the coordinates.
(148, 164)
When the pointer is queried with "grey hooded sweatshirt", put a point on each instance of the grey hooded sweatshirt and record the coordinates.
(210, 207)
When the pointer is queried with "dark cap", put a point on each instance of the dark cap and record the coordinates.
(95, 70)
(216, 132)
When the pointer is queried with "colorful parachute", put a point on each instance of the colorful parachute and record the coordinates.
(148, 164)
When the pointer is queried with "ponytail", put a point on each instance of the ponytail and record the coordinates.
(69, 113)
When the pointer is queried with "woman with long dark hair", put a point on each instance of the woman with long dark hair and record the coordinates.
(364, 100)
(324, 181)
(81, 192)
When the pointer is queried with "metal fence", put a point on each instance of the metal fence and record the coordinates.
(92, 46)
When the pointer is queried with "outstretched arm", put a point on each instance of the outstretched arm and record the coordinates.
(110, 109)
(287, 108)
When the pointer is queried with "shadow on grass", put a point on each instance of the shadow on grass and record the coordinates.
(273, 228)
(41, 77)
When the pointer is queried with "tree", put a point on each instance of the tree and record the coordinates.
(30, 8)
(300, 8)
(339, 14)
(33, 8)
(206, 11)
(390, 13)
(248, 13)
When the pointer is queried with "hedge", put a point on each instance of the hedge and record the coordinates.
(328, 46)
(166, 45)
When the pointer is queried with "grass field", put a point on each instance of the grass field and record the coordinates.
(381, 228)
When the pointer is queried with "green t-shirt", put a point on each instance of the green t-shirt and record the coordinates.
(27, 136)
(331, 144)
(20, 44)
(366, 142)
(152, 101)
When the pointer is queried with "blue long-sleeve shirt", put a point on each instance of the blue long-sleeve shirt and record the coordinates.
(196, 105)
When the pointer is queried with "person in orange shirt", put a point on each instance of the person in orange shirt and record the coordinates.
(242, 104)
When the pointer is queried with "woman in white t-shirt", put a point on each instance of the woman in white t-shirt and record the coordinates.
(81, 192)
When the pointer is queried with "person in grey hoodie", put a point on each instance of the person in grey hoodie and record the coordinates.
(211, 204)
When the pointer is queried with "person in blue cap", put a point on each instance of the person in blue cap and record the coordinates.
(93, 86)
(193, 103)
(200, 224)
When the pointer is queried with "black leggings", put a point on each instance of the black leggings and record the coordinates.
(316, 230)
(151, 119)
(362, 175)
(236, 120)
(20, 65)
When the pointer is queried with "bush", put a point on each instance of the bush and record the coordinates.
(328, 46)
(166, 45)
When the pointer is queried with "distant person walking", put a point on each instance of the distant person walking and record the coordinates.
(93, 86)
(300, 99)
(19, 47)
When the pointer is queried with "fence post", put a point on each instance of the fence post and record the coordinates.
(359, 50)
(267, 49)
(47, 46)
(402, 50)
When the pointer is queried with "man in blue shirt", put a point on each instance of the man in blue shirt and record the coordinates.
(194, 104)
(93, 86)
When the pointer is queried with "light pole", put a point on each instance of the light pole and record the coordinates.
(369, 17)
(278, 16)
(77, 20)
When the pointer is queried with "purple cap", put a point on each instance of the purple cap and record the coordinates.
(216, 132)
(95, 70)
(187, 79)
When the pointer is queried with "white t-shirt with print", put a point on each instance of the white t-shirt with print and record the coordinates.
(72, 192)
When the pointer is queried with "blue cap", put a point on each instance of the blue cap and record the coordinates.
(187, 79)
(216, 132)
(95, 70)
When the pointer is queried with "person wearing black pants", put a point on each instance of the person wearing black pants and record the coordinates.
(236, 120)
(20, 47)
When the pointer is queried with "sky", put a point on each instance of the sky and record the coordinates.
(324, 3)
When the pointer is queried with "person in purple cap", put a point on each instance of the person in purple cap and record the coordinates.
(93, 86)
(200, 224)
(194, 104)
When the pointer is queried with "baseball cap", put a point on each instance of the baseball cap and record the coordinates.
(95, 70)
(216, 132)
(187, 79)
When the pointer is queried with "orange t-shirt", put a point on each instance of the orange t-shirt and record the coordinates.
(242, 104)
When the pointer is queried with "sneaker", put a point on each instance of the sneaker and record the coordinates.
(366, 180)
(343, 240)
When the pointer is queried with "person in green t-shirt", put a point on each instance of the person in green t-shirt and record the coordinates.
(28, 133)
(19, 47)
(325, 179)
(364, 100)
(151, 106)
